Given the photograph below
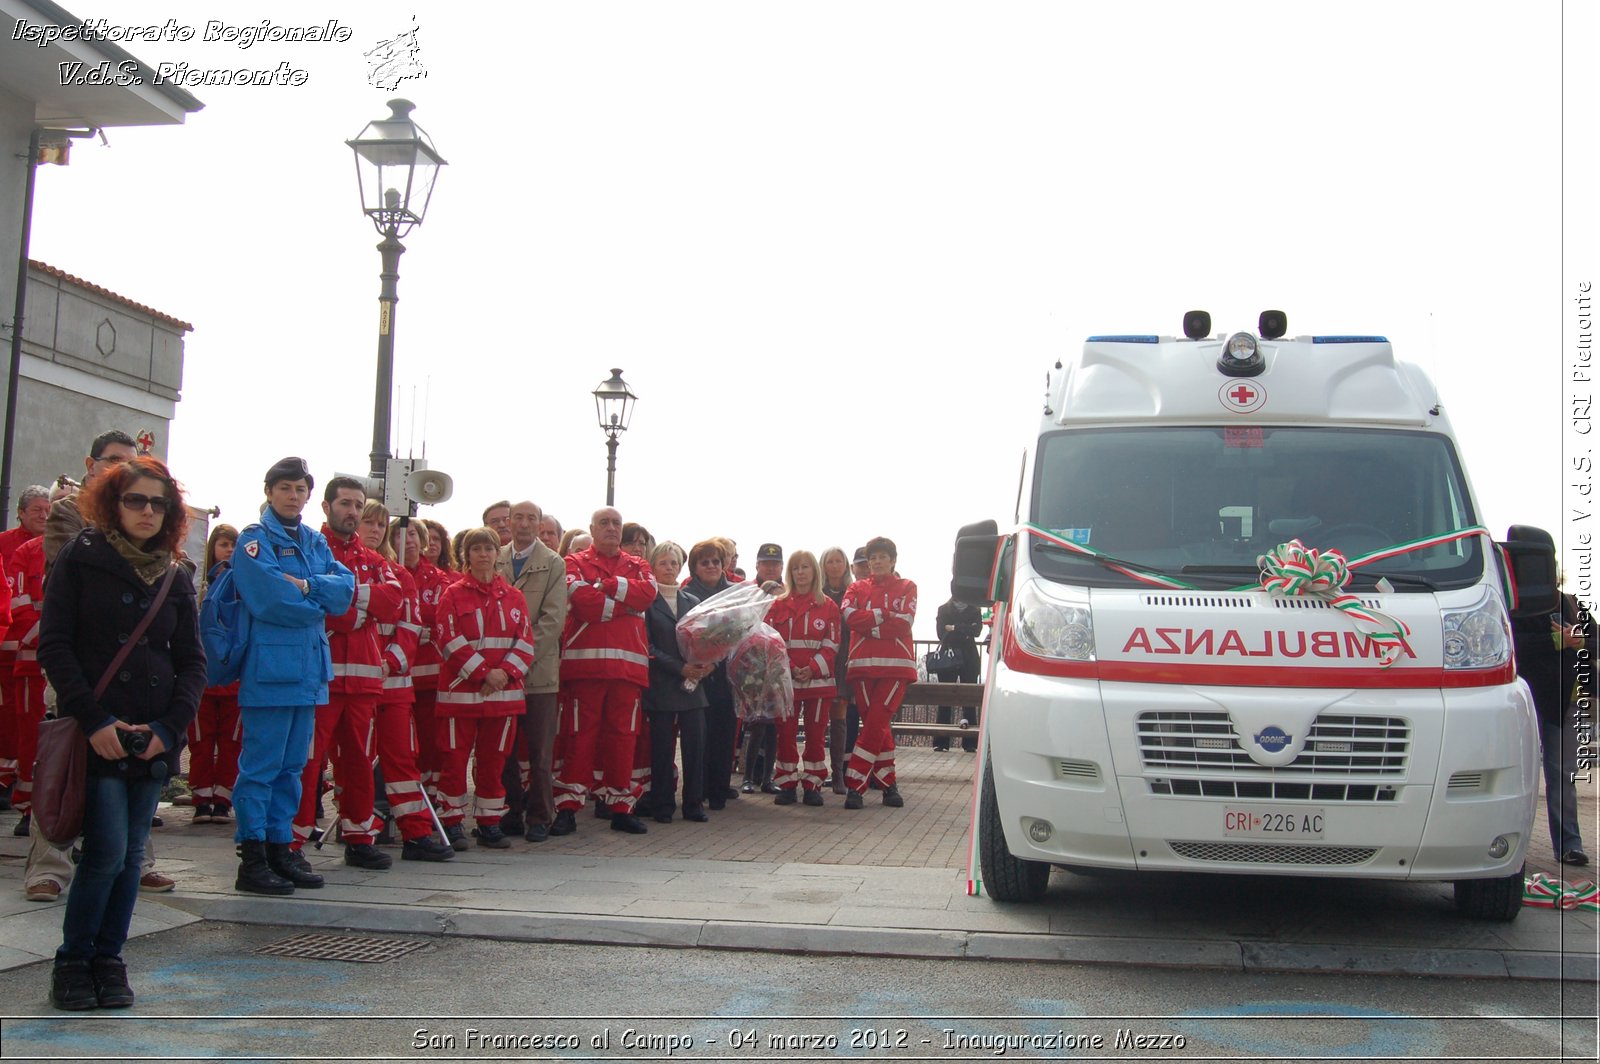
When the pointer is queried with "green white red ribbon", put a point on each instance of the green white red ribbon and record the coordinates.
(1543, 891)
(1292, 569)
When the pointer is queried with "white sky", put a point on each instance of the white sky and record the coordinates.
(834, 247)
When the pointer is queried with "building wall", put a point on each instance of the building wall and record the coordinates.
(89, 363)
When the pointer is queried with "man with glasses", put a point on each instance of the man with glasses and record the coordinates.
(497, 516)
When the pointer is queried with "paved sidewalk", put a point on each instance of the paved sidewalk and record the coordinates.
(877, 881)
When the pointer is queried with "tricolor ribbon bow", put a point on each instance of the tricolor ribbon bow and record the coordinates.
(1292, 568)
(1543, 891)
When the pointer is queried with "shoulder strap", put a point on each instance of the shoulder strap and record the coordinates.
(138, 631)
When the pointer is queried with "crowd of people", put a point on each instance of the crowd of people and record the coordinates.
(507, 677)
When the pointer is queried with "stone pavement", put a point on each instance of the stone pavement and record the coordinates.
(877, 881)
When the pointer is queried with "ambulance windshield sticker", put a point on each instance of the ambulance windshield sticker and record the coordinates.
(1242, 396)
(1080, 536)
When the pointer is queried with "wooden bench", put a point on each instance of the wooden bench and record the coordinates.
(958, 695)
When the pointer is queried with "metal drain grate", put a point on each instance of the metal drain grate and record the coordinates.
(323, 947)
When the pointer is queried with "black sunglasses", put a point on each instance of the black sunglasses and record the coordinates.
(134, 501)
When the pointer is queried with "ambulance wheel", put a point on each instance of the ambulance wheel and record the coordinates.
(1499, 899)
(1005, 878)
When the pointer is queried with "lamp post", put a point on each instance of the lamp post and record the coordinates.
(396, 165)
(613, 404)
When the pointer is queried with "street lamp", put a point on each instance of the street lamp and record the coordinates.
(613, 404)
(395, 167)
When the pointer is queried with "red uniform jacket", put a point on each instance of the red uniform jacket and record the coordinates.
(811, 629)
(10, 542)
(27, 595)
(879, 611)
(353, 635)
(605, 635)
(432, 582)
(479, 627)
(400, 641)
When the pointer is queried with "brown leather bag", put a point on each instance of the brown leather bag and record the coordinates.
(61, 764)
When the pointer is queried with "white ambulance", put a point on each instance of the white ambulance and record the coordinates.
(1248, 622)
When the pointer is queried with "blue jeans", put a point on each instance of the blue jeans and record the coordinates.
(116, 823)
(266, 795)
(1560, 745)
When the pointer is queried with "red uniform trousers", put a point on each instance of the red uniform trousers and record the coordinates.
(879, 701)
(26, 697)
(603, 733)
(344, 726)
(459, 738)
(215, 735)
(395, 736)
(812, 768)
(8, 729)
(422, 712)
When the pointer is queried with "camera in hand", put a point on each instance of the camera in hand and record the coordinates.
(134, 742)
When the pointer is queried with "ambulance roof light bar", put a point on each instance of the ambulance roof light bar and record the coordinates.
(1241, 356)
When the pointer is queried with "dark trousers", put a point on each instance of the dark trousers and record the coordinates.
(721, 726)
(116, 823)
(947, 713)
(686, 730)
(528, 778)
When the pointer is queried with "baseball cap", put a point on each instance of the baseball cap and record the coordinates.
(769, 552)
(861, 556)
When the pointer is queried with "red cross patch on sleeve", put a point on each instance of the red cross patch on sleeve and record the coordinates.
(253, 548)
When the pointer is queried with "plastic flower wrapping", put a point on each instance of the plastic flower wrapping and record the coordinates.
(710, 632)
(759, 674)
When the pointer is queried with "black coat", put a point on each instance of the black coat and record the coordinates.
(665, 693)
(92, 602)
(968, 622)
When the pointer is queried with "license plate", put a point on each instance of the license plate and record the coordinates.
(1273, 822)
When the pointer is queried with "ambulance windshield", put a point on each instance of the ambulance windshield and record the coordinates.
(1201, 504)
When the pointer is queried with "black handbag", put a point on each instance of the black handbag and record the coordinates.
(945, 659)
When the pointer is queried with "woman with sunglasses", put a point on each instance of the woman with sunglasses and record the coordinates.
(105, 582)
(707, 576)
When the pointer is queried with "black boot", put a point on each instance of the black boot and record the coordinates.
(72, 987)
(255, 875)
(292, 865)
(565, 823)
(111, 987)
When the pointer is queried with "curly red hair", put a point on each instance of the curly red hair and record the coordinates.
(101, 497)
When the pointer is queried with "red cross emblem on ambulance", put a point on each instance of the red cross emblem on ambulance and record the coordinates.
(1242, 397)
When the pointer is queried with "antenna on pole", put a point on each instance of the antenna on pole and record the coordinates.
(427, 393)
(411, 445)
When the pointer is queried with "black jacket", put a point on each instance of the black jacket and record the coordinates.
(92, 602)
(968, 622)
(665, 693)
(716, 685)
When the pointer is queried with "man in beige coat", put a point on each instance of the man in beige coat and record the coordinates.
(541, 575)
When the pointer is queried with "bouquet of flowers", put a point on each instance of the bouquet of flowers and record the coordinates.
(759, 674)
(710, 632)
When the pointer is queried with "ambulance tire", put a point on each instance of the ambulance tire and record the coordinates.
(1499, 899)
(1005, 878)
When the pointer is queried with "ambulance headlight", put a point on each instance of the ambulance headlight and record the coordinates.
(1051, 625)
(1478, 637)
(1241, 356)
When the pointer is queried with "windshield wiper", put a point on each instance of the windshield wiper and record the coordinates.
(1410, 579)
(1100, 559)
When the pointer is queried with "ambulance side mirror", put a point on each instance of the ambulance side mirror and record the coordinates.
(1532, 556)
(976, 546)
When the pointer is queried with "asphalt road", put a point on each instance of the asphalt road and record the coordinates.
(205, 994)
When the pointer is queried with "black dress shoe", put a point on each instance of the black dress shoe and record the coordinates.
(537, 832)
(72, 987)
(111, 987)
(1575, 857)
(629, 823)
(717, 804)
(697, 815)
(785, 797)
(366, 855)
(730, 794)
(512, 824)
(565, 823)
(427, 848)
(852, 800)
(813, 798)
(491, 836)
(602, 811)
(456, 836)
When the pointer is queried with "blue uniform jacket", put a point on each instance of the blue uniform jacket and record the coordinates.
(288, 663)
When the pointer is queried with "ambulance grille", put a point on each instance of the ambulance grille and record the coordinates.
(1338, 744)
(1202, 602)
(1273, 854)
(1083, 770)
(1274, 790)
